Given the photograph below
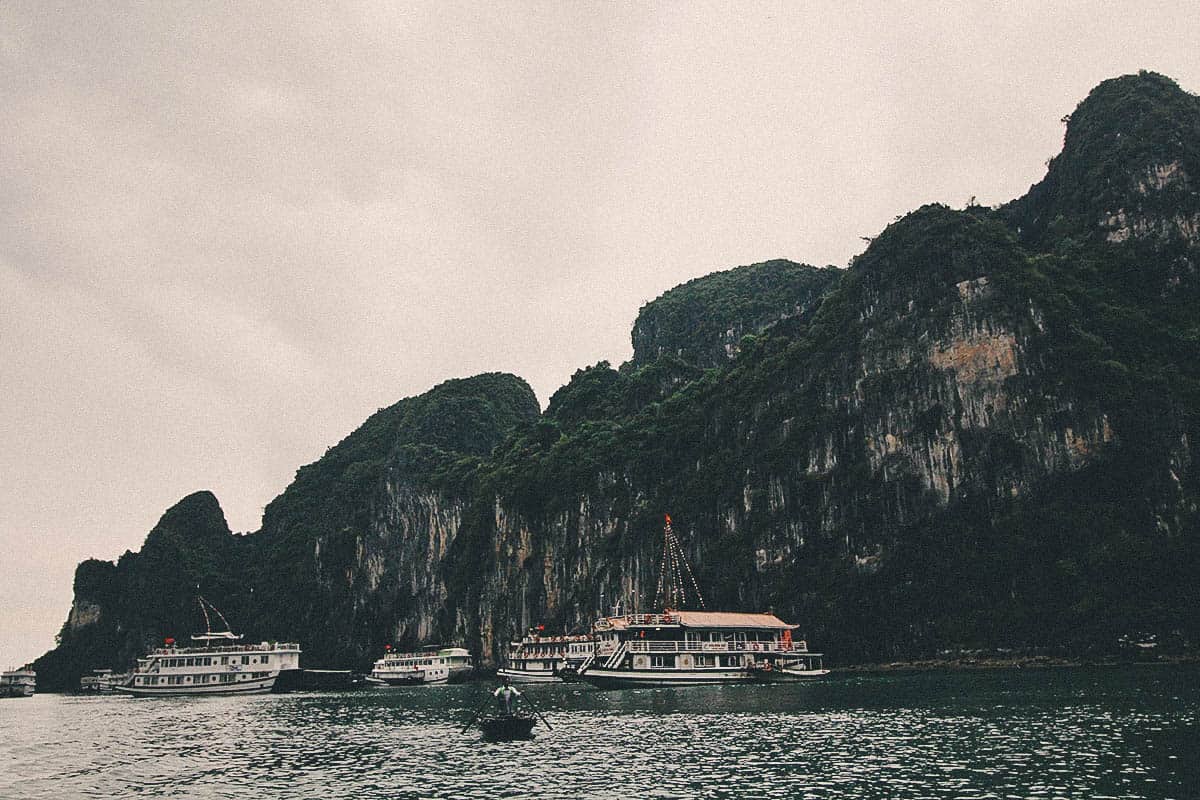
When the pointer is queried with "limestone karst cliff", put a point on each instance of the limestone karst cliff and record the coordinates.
(979, 435)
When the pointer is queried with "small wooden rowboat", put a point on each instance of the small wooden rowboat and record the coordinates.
(506, 727)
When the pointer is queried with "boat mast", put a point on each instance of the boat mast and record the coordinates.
(672, 591)
(209, 636)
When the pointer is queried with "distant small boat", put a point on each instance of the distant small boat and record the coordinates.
(506, 727)
(434, 664)
(102, 681)
(18, 682)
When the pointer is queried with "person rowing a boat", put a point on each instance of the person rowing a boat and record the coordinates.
(505, 694)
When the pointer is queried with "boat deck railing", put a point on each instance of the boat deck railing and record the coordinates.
(657, 620)
(652, 646)
(267, 647)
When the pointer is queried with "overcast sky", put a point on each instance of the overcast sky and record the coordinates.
(229, 233)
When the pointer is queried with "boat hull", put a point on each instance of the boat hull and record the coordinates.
(630, 678)
(789, 675)
(527, 676)
(460, 674)
(506, 727)
(20, 690)
(253, 686)
(288, 680)
(402, 680)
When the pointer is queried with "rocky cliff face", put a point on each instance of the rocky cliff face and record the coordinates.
(923, 386)
(979, 435)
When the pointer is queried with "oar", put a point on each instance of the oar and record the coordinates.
(538, 711)
(475, 716)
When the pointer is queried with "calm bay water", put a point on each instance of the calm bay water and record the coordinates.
(1032, 733)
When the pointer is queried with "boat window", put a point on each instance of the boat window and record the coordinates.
(662, 661)
(264, 659)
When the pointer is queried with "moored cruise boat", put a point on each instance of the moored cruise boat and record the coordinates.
(216, 667)
(433, 664)
(218, 664)
(684, 648)
(20, 682)
(540, 659)
(101, 681)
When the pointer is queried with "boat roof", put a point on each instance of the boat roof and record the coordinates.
(729, 619)
(212, 636)
(710, 619)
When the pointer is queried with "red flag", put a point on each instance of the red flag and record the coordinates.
(668, 516)
(169, 640)
(541, 627)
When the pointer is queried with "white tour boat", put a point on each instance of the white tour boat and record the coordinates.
(102, 681)
(684, 648)
(433, 664)
(19, 682)
(539, 659)
(218, 664)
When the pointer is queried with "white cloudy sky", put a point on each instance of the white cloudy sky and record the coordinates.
(228, 233)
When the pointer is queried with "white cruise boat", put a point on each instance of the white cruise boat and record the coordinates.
(684, 648)
(102, 681)
(19, 682)
(434, 664)
(541, 659)
(218, 663)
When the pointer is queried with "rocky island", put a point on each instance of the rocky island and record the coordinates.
(980, 436)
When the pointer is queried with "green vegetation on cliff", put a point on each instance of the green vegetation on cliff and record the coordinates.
(703, 321)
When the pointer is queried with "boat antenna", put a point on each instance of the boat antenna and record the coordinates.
(672, 591)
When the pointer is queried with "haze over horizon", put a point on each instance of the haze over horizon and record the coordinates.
(228, 239)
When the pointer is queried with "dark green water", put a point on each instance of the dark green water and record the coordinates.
(1131, 732)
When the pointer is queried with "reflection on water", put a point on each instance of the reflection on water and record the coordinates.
(1128, 733)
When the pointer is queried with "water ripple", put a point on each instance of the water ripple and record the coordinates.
(1130, 733)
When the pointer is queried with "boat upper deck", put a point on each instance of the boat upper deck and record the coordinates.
(696, 619)
(428, 656)
(698, 632)
(227, 649)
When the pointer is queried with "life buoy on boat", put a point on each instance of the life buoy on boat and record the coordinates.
(767, 667)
